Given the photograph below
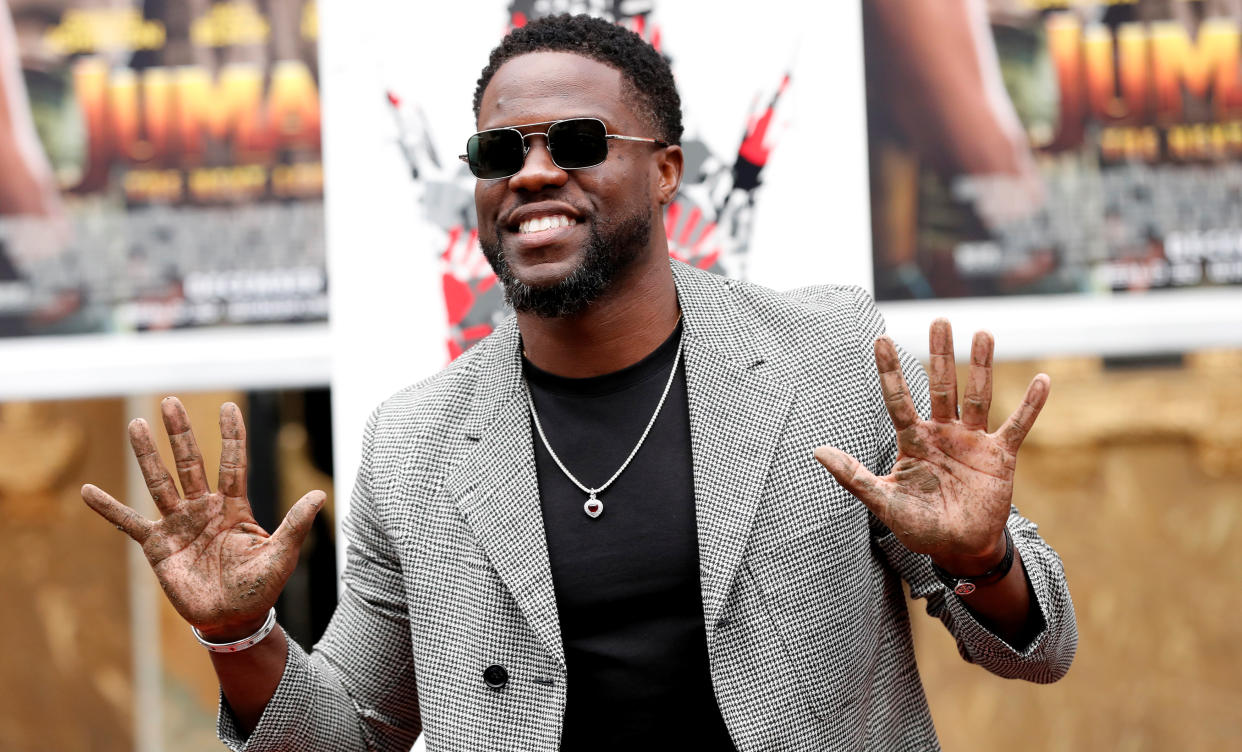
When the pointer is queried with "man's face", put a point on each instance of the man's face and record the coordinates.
(600, 216)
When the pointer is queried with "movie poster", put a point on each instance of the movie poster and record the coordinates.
(159, 165)
(1023, 147)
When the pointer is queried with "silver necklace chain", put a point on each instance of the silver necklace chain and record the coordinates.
(593, 506)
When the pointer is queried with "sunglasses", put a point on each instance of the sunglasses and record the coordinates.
(574, 144)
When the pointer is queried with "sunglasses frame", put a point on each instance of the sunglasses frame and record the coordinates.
(551, 124)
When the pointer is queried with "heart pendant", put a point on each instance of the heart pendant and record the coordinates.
(593, 507)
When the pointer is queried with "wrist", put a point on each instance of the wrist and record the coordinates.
(223, 633)
(974, 565)
(964, 582)
(245, 643)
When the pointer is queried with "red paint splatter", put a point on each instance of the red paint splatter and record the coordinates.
(457, 298)
(670, 219)
(753, 148)
(707, 233)
(692, 221)
(476, 332)
(454, 234)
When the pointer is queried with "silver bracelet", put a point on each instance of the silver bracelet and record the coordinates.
(238, 645)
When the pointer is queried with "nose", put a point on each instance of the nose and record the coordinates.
(538, 171)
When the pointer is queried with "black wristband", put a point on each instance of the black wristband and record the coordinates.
(968, 585)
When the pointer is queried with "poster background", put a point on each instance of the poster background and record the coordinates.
(174, 178)
(179, 156)
(1061, 175)
(114, 270)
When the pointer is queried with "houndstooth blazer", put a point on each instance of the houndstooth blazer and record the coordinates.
(807, 628)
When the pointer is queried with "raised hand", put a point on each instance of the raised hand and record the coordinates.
(221, 571)
(949, 493)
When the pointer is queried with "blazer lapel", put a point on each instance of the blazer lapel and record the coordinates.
(497, 490)
(738, 410)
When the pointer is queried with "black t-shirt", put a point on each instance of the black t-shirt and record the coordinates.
(627, 583)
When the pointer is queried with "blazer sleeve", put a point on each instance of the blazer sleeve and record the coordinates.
(355, 690)
(1048, 655)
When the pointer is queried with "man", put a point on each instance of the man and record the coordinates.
(603, 527)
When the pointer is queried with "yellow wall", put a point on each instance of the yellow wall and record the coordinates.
(1136, 479)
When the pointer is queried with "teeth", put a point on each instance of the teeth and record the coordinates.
(538, 224)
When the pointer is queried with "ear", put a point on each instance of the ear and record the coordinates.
(669, 165)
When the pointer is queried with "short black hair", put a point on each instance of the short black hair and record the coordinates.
(648, 80)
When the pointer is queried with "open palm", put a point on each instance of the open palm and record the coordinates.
(949, 493)
(218, 567)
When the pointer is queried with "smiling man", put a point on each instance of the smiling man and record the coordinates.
(605, 526)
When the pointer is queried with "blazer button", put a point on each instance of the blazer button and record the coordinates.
(495, 676)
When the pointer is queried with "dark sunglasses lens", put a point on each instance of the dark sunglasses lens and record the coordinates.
(578, 143)
(495, 154)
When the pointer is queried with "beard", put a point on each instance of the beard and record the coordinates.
(611, 249)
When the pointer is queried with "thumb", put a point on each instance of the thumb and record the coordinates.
(297, 523)
(851, 474)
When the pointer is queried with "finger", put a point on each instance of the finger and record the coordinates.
(896, 394)
(854, 476)
(127, 520)
(232, 452)
(1015, 428)
(159, 482)
(978, 397)
(943, 376)
(185, 449)
(297, 524)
